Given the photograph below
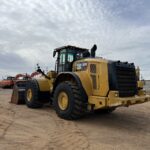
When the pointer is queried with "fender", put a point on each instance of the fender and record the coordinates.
(68, 76)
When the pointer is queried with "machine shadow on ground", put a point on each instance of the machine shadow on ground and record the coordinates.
(118, 120)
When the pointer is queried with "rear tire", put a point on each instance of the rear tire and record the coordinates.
(32, 94)
(75, 107)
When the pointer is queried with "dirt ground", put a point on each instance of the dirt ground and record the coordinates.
(22, 128)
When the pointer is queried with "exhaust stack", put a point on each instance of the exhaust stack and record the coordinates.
(93, 50)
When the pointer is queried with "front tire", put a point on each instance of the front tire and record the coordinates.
(32, 94)
(68, 102)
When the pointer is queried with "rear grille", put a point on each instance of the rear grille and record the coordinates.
(122, 77)
(126, 80)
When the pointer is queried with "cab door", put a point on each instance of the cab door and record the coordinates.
(61, 62)
(65, 61)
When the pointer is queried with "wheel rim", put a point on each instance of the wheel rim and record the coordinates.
(29, 94)
(63, 101)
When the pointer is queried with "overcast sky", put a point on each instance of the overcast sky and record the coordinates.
(31, 29)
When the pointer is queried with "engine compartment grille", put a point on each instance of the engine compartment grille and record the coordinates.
(122, 77)
(93, 75)
(93, 68)
(126, 80)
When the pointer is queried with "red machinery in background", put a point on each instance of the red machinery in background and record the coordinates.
(34, 74)
(10, 81)
(19, 88)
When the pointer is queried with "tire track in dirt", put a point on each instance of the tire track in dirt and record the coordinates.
(6, 122)
(67, 136)
(42, 129)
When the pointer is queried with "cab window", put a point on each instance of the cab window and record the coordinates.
(70, 57)
(62, 58)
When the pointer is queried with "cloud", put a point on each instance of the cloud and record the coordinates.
(30, 30)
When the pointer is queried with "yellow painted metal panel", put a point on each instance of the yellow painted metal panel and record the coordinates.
(45, 84)
(86, 81)
(114, 101)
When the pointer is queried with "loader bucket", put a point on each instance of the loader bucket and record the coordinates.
(18, 94)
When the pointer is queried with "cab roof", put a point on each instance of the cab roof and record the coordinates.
(70, 47)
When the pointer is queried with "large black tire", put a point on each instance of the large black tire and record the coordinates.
(76, 103)
(33, 102)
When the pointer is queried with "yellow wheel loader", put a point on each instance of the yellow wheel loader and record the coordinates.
(83, 82)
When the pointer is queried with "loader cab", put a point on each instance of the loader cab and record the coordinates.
(66, 55)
